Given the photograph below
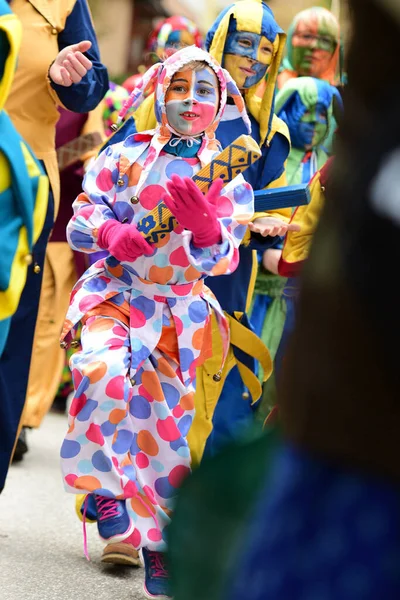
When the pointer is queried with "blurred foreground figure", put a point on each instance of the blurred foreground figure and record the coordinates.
(326, 525)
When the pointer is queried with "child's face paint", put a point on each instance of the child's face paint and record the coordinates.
(313, 127)
(247, 57)
(192, 101)
(312, 50)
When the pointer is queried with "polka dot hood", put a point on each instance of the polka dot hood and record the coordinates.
(160, 77)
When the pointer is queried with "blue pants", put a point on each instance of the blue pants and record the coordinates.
(16, 357)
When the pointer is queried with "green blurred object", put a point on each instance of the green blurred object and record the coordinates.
(209, 526)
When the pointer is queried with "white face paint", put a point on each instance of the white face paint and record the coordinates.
(192, 101)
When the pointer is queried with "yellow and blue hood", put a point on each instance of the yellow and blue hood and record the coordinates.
(253, 16)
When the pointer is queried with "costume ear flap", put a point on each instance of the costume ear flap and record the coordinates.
(138, 93)
(233, 91)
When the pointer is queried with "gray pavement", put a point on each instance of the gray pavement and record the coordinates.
(41, 544)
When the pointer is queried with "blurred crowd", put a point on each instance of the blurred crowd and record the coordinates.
(188, 274)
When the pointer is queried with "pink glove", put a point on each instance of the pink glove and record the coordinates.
(195, 211)
(124, 242)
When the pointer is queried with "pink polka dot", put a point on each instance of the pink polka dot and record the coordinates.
(116, 465)
(143, 392)
(151, 196)
(179, 257)
(177, 475)
(154, 535)
(118, 330)
(87, 211)
(136, 538)
(224, 207)
(77, 405)
(104, 180)
(178, 325)
(150, 494)
(178, 412)
(115, 343)
(115, 387)
(70, 479)
(130, 490)
(137, 318)
(94, 434)
(167, 430)
(89, 302)
(142, 461)
(182, 290)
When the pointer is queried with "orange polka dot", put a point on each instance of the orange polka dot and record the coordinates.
(162, 241)
(221, 267)
(71, 427)
(147, 443)
(152, 385)
(117, 415)
(191, 274)
(165, 368)
(138, 507)
(198, 287)
(117, 271)
(161, 274)
(101, 325)
(198, 339)
(242, 219)
(134, 174)
(126, 461)
(87, 483)
(95, 371)
(187, 402)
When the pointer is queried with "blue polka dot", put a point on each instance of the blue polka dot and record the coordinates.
(242, 194)
(153, 177)
(134, 447)
(172, 302)
(115, 177)
(101, 462)
(187, 357)
(123, 441)
(139, 407)
(176, 444)
(130, 472)
(138, 357)
(123, 210)
(183, 451)
(82, 440)
(186, 321)
(198, 311)
(81, 240)
(179, 167)
(94, 285)
(160, 410)
(161, 260)
(157, 325)
(184, 425)
(145, 305)
(157, 466)
(70, 449)
(84, 414)
(239, 231)
(108, 428)
(107, 405)
(85, 467)
(136, 344)
(82, 387)
(171, 394)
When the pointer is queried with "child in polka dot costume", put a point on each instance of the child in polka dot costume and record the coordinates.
(145, 309)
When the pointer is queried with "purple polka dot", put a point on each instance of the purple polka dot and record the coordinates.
(179, 167)
(123, 210)
(139, 407)
(83, 386)
(164, 488)
(70, 449)
(85, 413)
(134, 447)
(101, 462)
(81, 240)
(139, 356)
(171, 394)
(239, 231)
(123, 441)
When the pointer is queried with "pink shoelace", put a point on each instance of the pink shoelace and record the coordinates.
(157, 564)
(107, 508)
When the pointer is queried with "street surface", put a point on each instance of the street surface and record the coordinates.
(41, 542)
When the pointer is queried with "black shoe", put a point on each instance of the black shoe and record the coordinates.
(21, 447)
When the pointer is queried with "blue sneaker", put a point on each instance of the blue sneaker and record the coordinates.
(113, 521)
(156, 579)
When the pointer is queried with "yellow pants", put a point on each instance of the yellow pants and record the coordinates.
(59, 276)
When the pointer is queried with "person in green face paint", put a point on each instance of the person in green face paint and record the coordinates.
(313, 47)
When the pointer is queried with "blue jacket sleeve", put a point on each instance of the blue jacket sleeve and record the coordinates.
(84, 96)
